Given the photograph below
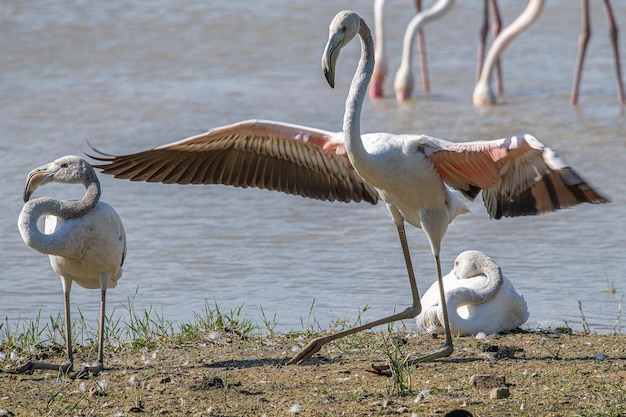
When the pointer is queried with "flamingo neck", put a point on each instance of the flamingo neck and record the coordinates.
(56, 243)
(420, 20)
(352, 117)
(528, 16)
(474, 293)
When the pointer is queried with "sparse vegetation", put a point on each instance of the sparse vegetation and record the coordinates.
(224, 364)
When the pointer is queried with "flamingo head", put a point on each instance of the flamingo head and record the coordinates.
(483, 95)
(68, 169)
(470, 264)
(378, 77)
(376, 87)
(342, 30)
(403, 84)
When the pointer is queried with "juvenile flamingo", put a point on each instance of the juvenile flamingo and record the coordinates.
(84, 239)
(413, 174)
(478, 296)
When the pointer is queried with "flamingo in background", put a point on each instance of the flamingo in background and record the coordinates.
(583, 39)
(381, 66)
(497, 25)
(478, 296)
(84, 239)
(403, 83)
(413, 174)
(483, 94)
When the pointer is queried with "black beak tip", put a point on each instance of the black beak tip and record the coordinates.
(329, 78)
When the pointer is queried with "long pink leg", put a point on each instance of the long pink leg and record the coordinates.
(98, 367)
(31, 366)
(316, 344)
(583, 40)
(421, 50)
(482, 40)
(497, 26)
(446, 350)
(613, 32)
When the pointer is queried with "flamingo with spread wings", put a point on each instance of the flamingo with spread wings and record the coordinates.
(414, 174)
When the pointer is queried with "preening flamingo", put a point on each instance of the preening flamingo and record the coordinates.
(84, 239)
(483, 94)
(478, 296)
(583, 39)
(413, 174)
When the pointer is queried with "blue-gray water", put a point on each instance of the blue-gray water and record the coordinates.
(127, 76)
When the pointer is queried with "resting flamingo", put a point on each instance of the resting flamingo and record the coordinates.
(583, 39)
(483, 94)
(413, 174)
(84, 239)
(479, 299)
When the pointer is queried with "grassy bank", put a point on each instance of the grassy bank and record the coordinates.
(222, 364)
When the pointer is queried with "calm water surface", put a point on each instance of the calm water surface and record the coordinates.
(127, 76)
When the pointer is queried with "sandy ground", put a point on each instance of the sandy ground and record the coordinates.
(535, 374)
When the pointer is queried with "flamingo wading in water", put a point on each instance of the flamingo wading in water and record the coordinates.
(479, 299)
(403, 82)
(413, 174)
(381, 67)
(483, 94)
(84, 239)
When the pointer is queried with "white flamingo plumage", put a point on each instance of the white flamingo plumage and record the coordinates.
(84, 239)
(478, 296)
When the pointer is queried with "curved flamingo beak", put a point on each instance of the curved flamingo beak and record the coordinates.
(36, 178)
(331, 52)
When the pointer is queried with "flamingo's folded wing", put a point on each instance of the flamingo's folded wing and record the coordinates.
(519, 176)
(255, 153)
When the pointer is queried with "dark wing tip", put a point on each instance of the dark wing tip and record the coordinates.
(97, 155)
(554, 191)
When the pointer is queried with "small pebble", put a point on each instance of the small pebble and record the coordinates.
(599, 357)
(295, 409)
(499, 393)
(505, 352)
(487, 381)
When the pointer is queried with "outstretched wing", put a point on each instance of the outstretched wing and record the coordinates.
(519, 176)
(256, 153)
